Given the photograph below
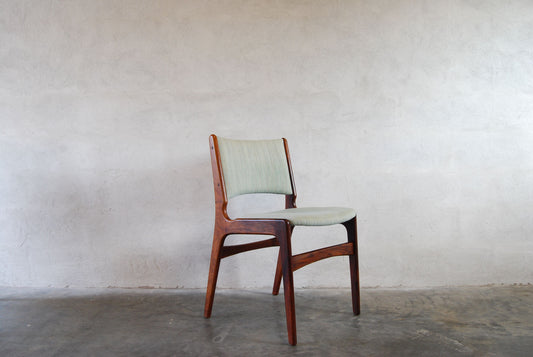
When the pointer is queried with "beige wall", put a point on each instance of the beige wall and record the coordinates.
(417, 113)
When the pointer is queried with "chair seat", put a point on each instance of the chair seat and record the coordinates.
(310, 216)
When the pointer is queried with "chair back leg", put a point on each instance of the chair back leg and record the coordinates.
(214, 265)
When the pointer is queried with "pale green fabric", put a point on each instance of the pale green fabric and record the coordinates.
(254, 166)
(310, 216)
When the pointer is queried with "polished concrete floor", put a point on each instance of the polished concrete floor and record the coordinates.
(470, 321)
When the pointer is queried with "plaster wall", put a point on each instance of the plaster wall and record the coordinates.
(419, 114)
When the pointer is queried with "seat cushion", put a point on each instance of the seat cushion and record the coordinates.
(310, 216)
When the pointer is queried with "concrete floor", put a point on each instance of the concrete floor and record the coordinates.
(471, 321)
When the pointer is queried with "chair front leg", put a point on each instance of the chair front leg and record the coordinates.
(214, 265)
(351, 228)
(288, 285)
(278, 274)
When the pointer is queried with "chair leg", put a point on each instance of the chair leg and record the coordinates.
(277, 277)
(351, 228)
(218, 241)
(288, 285)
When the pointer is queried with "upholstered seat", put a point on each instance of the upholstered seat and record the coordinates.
(310, 216)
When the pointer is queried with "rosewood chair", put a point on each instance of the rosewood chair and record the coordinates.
(263, 166)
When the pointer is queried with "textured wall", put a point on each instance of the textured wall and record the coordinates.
(419, 114)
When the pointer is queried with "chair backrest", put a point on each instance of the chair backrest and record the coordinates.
(254, 166)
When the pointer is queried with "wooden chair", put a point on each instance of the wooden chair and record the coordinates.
(263, 166)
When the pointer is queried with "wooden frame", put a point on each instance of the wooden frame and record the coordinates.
(281, 229)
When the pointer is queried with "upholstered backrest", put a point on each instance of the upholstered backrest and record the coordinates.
(254, 166)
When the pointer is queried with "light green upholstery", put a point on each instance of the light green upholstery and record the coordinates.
(258, 166)
(310, 216)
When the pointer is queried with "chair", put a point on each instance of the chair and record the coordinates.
(263, 166)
